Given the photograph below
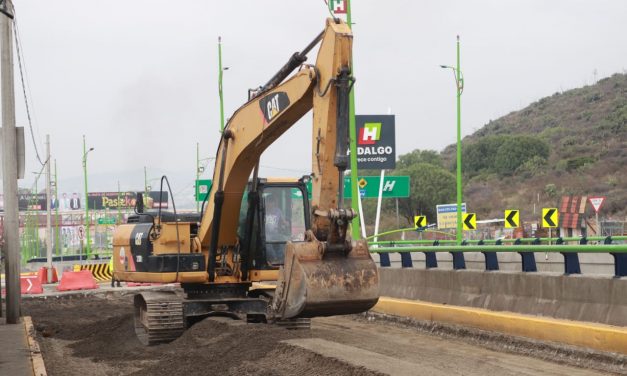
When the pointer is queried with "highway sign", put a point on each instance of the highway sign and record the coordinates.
(447, 215)
(393, 186)
(597, 202)
(550, 217)
(420, 221)
(106, 221)
(512, 218)
(202, 189)
(469, 221)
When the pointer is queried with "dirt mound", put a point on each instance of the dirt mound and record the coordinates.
(97, 330)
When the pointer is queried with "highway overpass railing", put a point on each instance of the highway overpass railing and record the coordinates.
(525, 247)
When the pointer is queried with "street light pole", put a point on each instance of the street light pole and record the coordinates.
(459, 81)
(87, 221)
(220, 70)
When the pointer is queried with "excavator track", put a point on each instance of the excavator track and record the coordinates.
(158, 317)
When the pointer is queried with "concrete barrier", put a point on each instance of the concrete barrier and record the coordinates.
(575, 297)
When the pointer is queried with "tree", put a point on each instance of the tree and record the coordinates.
(419, 156)
(516, 150)
(430, 185)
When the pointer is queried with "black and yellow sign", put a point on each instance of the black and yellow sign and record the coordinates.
(362, 183)
(512, 218)
(550, 217)
(420, 221)
(470, 221)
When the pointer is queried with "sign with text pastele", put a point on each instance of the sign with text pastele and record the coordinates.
(376, 142)
(447, 215)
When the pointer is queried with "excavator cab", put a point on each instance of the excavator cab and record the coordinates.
(281, 215)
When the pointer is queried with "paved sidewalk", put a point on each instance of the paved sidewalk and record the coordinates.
(14, 352)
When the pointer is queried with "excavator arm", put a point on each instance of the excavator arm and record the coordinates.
(328, 273)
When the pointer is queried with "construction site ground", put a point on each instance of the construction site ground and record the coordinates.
(92, 334)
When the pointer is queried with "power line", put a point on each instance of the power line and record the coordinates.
(19, 59)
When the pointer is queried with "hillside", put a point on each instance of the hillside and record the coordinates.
(585, 130)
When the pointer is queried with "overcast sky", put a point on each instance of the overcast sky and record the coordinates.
(139, 78)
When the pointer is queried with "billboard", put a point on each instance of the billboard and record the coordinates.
(122, 200)
(447, 215)
(96, 200)
(376, 142)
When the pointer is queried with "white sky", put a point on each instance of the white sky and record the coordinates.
(139, 78)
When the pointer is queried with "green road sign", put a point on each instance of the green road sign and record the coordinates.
(106, 221)
(202, 189)
(393, 186)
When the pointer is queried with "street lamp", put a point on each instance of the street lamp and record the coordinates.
(459, 83)
(87, 221)
(220, 70)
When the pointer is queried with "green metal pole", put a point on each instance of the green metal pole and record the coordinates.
(87, 219)
(220, 84)
(353, 141)
(459, 151)
(119, 203)
(197, 176)
(56, 209)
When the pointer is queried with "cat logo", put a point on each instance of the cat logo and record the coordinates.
(272, 105)
(138, 238)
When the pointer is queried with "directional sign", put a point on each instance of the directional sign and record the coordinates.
(470, 221)
(393, 186)
(512, 218)
(420, 221)
(550, 217)
(202, 189)
(106, 221)
(597, 202)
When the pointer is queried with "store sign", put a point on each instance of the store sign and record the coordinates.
(376, 142)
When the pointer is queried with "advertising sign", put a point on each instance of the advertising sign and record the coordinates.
(376, 143)
(114, 200)
(447, 215)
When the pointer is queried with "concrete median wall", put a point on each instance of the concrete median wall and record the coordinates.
(582, 298)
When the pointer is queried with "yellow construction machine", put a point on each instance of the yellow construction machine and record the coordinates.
(254, 229)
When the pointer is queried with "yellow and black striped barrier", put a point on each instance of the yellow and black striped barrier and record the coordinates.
(101, 272)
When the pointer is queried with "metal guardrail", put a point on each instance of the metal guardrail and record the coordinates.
(490, 248)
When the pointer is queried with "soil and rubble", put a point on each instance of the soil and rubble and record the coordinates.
(94, 334)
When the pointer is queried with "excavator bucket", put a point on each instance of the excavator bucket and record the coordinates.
(316, 283)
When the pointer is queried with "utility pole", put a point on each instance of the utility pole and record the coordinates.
(460, 88)
(87, 218)
(56, 210)
(145, 181)
(9, 166)
(48, 212)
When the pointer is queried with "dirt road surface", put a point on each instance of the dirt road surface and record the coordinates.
(94, 335)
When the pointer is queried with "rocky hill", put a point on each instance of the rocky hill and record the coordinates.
(573, 142)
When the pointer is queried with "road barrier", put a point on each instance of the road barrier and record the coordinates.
(81, 280)
(490, 248)
(101, 272)
(42, 274)
(30, 284)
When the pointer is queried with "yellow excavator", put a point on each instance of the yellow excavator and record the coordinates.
(258, 230)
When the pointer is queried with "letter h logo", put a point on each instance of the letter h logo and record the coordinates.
(370, 133)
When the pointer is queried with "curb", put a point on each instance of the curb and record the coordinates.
(39, 368)
(591, 335)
